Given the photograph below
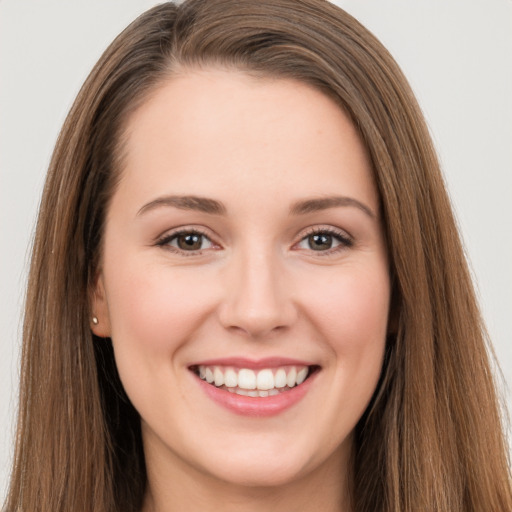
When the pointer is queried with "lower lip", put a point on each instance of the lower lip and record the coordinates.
(257, 406)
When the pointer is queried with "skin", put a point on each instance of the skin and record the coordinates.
(255, 289)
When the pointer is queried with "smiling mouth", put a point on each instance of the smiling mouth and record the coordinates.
(255, 383)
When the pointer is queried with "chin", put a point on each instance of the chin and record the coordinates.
(263, 473)
(265, 465)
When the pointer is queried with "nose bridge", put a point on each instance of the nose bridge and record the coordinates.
(256, 298)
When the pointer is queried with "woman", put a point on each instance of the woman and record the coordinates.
(245, 290)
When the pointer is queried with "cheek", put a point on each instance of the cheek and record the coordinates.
(353, 319)
(352, 313)
(153, 311)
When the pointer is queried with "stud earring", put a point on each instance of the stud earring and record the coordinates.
(95, 320)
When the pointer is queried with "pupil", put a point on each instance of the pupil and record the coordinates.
(319, 242)
(190, 241)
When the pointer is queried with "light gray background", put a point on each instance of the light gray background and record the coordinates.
(457, 55)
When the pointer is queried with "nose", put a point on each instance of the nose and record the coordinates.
(258, 299)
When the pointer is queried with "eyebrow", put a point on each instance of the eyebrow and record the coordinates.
(200, 204)
(323, 203)
(214, 207)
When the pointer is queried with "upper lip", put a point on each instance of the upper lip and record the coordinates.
(254, 364)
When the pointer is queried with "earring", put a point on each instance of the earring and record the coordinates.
(95, 320)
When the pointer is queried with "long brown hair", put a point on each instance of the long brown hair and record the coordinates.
(430, 440)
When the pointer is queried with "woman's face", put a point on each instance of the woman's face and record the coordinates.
(244, 246)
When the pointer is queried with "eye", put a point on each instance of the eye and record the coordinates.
(325, 240)
(186, 241)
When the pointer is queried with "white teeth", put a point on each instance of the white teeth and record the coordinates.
(255, 392)
(301, 376)
(265, 380)
(291, 377)
(230, 378)
(218, 376)
(280, 378)
(246, 379)
(262, 383)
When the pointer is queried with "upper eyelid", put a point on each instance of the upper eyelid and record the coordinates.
(325, 229)
(169, 234)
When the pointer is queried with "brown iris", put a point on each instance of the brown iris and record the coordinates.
(189, 241)
(320, 241)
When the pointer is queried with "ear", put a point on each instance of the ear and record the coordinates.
(99, 309)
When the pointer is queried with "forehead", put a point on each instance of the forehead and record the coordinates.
(227, 130)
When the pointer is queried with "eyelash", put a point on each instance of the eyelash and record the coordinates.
(165, 240)
(344, 240)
